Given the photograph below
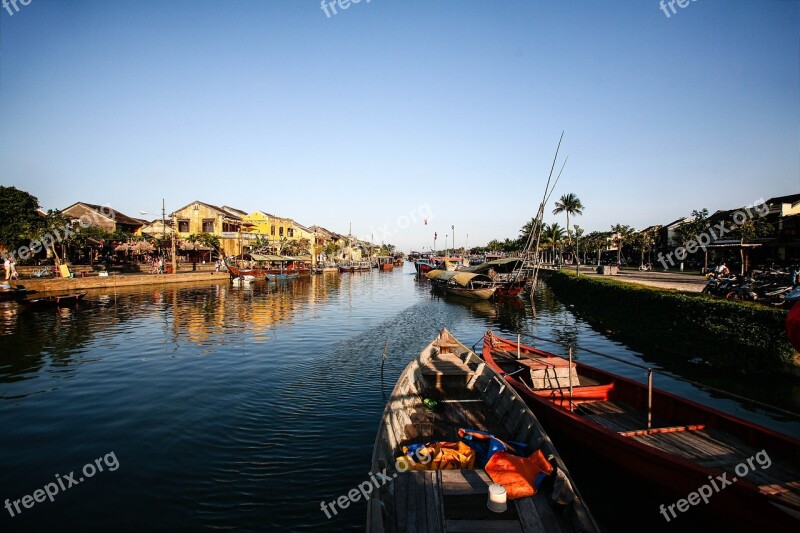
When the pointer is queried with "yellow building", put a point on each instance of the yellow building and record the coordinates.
(224, 222)
(275, 230)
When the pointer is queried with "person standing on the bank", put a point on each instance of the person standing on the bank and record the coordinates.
(14, 274)
(7, 266)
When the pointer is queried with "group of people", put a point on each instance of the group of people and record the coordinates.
(10, 268)
(157, 266)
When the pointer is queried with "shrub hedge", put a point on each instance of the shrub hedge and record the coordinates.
(732, 335)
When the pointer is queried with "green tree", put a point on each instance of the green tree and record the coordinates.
(622, 234)
(552, 235)
(19, 219)
(571, 205)
(748, 230)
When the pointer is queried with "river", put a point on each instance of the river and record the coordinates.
(243, 408)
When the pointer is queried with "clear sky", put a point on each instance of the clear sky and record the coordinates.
(402, 108)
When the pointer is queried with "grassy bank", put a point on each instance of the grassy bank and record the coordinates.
(732, 335)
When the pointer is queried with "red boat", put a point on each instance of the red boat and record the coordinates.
(385, 264)
(687, 446)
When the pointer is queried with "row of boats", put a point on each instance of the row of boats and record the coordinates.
(279, 267)
(463, 442)
(497, 278)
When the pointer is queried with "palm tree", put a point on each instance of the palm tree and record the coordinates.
(571, 205)
(552, 234)
(622, 233)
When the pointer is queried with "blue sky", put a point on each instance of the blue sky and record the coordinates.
(388, 106)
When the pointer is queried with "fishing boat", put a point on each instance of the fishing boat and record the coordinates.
(462, 452)
(282, 274)
(62, 300)
(385, 263)
(423, 266)
(355, 266)
(506, 272)
(670, 445)
(467, 284)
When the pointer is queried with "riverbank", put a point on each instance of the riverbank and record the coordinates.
(735, 336)
(654, 278)
(117, 280)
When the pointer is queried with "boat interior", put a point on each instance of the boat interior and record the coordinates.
(678, 427)
(469, 395)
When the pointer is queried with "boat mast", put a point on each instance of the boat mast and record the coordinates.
(531, 252)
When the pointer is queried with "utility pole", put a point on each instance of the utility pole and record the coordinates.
(174, 255)
(453, 228)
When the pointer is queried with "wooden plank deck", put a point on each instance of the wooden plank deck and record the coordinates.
(455, 500)
(707, 447)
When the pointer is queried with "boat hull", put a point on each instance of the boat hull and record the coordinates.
(476, 294)
(55, 301)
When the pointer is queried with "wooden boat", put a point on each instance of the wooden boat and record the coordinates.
(423, 267)
(9, 293)
(385, 264)
(244, 280)
(56, 301)
(355, 266)
(263, 266)
(685, 446)
(467, 284)
(506, 272)
(282, 274)
(469, 394)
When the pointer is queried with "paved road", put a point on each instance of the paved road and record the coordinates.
(665, 280)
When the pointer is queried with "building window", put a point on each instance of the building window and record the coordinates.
(280, 231)
(272, 230)
(208, 225)
(290, 232)
(230, 227)
(183, 226)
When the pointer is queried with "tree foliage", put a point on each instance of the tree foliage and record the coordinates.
(19, 218)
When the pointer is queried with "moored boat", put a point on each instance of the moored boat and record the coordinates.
(460, 451)
(9, 293)
(355, 266)
(467, 284)
(673, 448)
(385, 264)
(60, 300)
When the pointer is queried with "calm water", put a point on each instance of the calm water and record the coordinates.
(233, 408)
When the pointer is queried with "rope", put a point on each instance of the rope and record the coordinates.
(668, 374)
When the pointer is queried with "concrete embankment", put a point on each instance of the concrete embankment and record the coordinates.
(120, 280)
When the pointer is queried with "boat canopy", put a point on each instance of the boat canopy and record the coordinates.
(259, 257)
(460, 277)
(504, 262)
